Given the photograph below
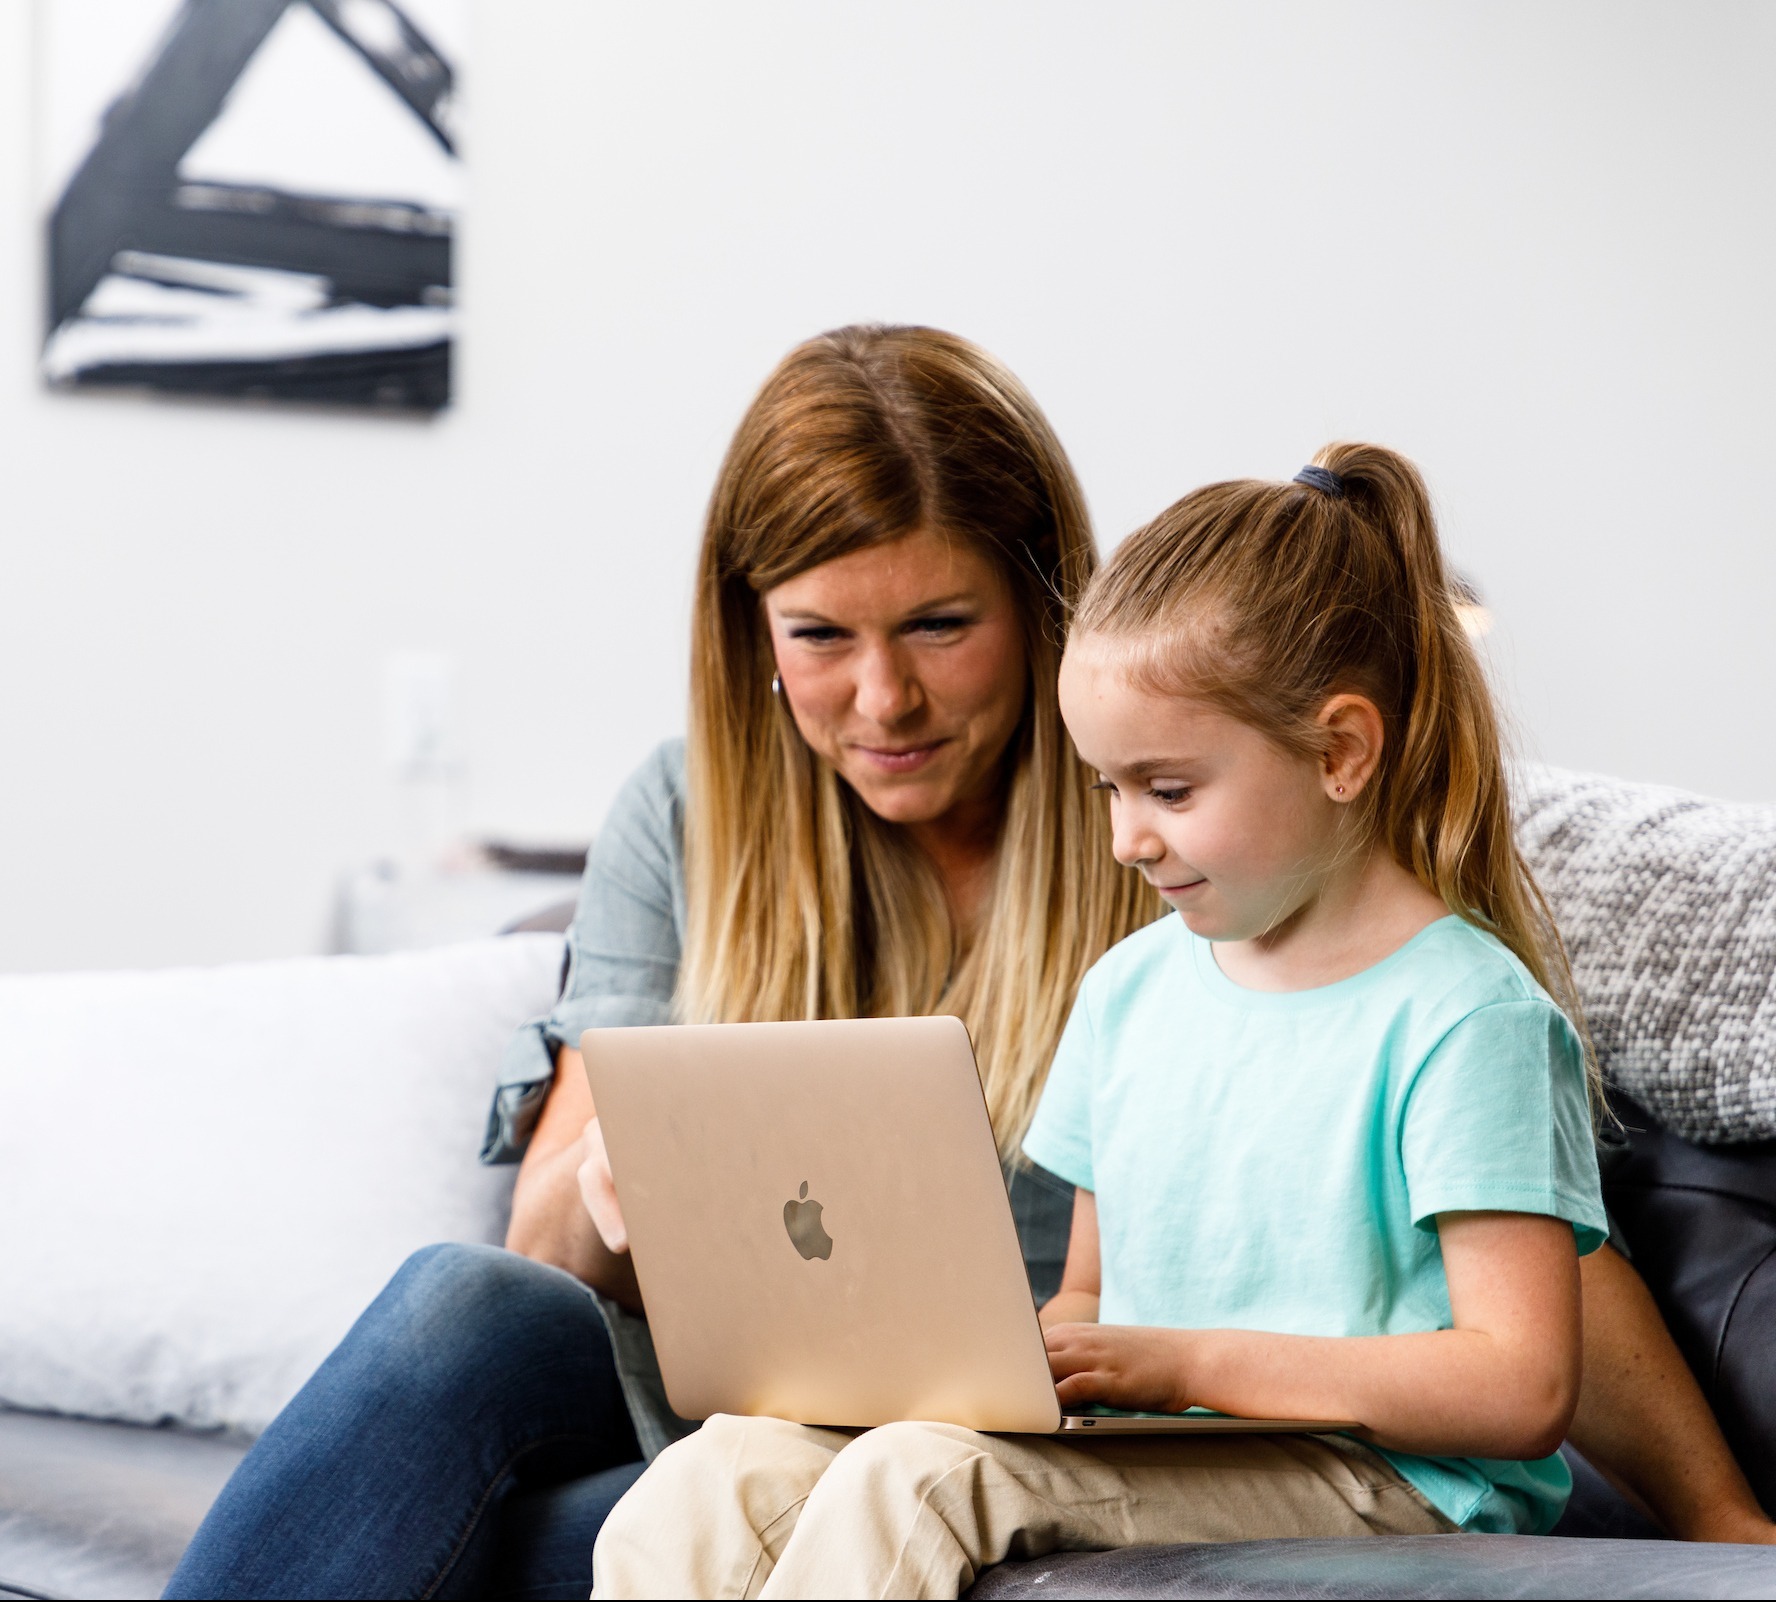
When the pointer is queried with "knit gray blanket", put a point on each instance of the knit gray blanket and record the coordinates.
(1667, 903)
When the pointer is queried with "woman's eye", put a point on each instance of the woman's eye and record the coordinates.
(816, 634)
(938, 625)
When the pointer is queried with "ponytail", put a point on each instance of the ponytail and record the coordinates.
(1267, 599)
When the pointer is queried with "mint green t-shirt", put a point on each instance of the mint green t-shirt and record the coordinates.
(1276, 1161)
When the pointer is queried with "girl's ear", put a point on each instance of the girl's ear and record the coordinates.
(1354, 734)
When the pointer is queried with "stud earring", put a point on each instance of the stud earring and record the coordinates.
(776, 684)
(1341, 789)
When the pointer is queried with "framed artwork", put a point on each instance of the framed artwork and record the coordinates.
(252, 198)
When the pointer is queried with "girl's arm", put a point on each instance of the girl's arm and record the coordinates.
(1076, 1302)
(1502, 1383)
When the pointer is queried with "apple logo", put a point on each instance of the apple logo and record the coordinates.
(802, 1220)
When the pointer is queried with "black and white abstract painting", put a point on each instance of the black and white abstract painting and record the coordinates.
(252, 197)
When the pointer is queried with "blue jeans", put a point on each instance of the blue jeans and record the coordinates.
(467, 1438)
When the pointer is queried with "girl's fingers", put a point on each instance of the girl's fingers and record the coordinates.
(1076, 1338)
(1062, 1333)
(1068, 1359)
(1080, 1390)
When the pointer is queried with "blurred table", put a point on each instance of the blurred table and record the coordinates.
(474, 889)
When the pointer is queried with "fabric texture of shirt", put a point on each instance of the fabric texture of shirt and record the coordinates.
(623, 957)
(1276, 1161)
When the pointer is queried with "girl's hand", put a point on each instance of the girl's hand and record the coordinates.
(599, 1192)
(1120, 1365)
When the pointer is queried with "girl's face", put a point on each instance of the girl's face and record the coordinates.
(904, 666)
(1236, 833)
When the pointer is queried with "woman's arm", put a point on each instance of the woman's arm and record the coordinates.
(1502, 1383)
(551, 1213)
(1642, 1420)
(623, 964)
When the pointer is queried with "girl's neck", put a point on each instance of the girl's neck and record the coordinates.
(1351, 921)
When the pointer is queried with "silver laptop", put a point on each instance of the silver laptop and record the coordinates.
(821, 1230)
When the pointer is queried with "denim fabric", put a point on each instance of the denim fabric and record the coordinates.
(467, 1438)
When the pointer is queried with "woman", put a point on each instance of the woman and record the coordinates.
(876, 811)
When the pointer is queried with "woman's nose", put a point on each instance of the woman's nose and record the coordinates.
(886, 690)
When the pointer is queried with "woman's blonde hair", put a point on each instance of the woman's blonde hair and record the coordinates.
(1266, 599)
(803, 903)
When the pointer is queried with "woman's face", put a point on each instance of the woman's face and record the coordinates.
(904, 667)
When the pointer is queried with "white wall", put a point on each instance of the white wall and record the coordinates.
(1530, 244)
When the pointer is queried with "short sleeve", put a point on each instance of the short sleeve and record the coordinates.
(1497, 1120)
(1060, 1137)
(623, 946)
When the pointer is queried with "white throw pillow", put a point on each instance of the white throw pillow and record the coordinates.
(206, 1175)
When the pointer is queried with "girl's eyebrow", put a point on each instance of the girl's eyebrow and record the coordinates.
(1146, 767)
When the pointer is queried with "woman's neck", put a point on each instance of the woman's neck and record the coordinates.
(963, 846)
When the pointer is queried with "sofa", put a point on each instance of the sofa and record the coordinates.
(205, 1174)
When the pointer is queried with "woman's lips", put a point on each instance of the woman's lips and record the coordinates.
(901, 759)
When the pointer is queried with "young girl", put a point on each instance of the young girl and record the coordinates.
(1330, 1134)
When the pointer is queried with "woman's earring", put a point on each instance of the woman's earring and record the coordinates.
(776, 684)
(1341, 789)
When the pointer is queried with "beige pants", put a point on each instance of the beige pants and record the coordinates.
(756, 1507)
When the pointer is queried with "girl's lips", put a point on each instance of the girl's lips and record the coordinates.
(1171, 890)
(907, 759)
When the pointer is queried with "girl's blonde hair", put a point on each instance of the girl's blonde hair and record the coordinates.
(802, 903)
(1266, 599)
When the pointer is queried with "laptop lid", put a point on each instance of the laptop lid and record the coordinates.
(819, 1222)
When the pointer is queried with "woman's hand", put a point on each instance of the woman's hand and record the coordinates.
(1120, 1365)
(553, 1206)
(598, 1191)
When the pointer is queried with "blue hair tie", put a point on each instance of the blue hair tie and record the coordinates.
(1321, 478)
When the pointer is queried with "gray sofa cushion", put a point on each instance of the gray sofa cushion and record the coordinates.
(1396, 1566)
(101, 1510)
(1668, 905)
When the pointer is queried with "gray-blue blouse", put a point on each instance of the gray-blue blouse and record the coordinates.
(622, 968)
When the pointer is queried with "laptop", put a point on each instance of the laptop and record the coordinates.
(821, 1230)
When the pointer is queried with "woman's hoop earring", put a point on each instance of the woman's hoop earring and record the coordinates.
(776, 684)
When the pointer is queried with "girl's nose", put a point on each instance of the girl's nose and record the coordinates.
(1132, 842)
(887, 692)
